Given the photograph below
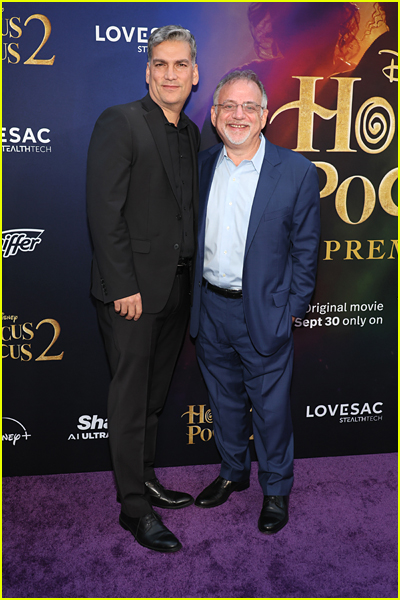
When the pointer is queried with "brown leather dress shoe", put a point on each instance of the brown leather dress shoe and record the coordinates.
(219, 491)
(274, 514)
(150, 532)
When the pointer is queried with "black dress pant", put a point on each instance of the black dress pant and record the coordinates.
(142, 356)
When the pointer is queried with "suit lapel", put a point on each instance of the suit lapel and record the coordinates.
(195, 181)
(206, 176)
(156, 125)
(267, 182)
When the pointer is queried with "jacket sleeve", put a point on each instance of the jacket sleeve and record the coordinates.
(110, 160)
(304, 239)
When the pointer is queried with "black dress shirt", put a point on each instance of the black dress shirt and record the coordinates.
(182, 160)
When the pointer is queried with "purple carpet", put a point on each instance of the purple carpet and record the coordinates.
(61, 537)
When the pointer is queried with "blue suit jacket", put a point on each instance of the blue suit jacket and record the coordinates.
(281, 251)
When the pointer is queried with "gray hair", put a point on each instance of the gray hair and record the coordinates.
(237, 75)
(172, 33)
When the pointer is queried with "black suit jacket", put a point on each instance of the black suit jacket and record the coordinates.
(134, 213)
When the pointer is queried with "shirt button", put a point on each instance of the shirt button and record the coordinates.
(223, 275)
(176, 246)
(233, 179)
(230, 203)
(228, 227)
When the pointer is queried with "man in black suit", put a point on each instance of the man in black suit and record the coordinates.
(142, 209)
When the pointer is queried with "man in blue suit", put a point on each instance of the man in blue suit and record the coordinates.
(255, 273)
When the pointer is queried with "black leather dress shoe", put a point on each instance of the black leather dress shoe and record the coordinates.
(219, 491)
(274, 514)
(150, 532)
(163, 498)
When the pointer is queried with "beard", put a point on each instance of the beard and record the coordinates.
(233, 140)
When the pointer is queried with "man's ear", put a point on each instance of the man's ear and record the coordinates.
(264, 118)
(195, 79)
(213, 115)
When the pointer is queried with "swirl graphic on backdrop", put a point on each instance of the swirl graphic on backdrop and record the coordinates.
(375, 125)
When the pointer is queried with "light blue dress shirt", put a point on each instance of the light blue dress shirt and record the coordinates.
(228, 214)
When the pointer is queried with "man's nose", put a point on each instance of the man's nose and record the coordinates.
(238, 113)
(170, 73)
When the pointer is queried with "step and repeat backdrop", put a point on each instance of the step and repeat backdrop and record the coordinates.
(330, 71)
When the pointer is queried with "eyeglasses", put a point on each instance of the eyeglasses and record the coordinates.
(248, 107)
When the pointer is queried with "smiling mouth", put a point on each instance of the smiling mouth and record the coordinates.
(237, 126)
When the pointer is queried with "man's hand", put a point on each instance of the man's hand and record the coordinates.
(293, 319)
(130, 307)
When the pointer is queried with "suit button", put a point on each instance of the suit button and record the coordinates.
(176, 246)
(179, 217)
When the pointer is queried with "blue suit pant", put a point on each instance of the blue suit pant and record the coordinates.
(238, 379)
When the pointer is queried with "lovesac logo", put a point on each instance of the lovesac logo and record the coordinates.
(13, 431)
(16, 140)
(348, 413)
(112, 33)
(25, 240)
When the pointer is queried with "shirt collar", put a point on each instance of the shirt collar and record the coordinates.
(257, 159)
(183, 119)
(182, 123)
